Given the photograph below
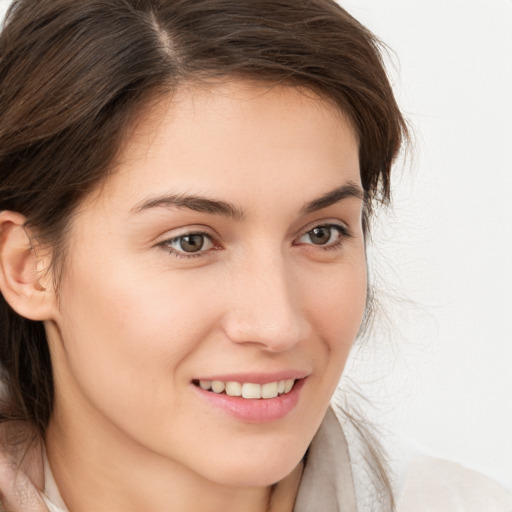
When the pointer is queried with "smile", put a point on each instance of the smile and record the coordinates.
(248, 390)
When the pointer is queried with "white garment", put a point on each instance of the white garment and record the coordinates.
(51, 495)
(436, 485)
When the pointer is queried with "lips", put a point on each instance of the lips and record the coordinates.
(252, 398)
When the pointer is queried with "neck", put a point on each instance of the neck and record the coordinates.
(126, 477)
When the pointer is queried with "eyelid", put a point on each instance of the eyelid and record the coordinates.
(343, 234)
(175, 235)
(194, 229)
(344, 228)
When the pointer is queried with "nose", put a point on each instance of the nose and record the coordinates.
(266, 305)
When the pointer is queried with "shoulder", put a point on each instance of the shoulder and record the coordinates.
(420, 483)
(437, 485)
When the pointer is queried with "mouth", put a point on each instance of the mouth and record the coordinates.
(247, 390)
(270, 398)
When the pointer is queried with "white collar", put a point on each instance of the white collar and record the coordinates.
(327, 482)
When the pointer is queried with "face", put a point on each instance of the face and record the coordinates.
(225, 248)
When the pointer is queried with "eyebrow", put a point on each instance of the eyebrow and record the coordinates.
(193, 202)
(216, 207)
(334, 196)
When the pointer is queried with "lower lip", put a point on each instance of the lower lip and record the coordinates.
(261, 410)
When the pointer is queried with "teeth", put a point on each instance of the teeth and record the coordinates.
(248, 389)
(269, 390)
(205, 384)
(288, 385)
(251, 390)
(217, 386)
(233, 389)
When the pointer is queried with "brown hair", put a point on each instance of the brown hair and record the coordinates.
(74, 74)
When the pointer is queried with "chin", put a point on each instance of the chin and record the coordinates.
(255, 477)
(260, 469)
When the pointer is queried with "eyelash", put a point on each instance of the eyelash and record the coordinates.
(343, 232)
(182, 254)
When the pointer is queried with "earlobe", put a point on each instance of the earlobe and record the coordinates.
(23, 282)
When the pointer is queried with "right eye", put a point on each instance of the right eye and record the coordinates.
(189, 245)
(325, 236)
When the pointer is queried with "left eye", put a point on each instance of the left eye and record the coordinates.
(190, 243)
(323, 235)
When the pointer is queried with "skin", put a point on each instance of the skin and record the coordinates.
(136, 323)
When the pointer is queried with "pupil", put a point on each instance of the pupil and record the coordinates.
(320, 235)
(191, 243)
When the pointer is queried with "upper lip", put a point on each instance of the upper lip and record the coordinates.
(257, 377)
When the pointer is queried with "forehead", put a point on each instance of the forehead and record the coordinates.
(236, 137)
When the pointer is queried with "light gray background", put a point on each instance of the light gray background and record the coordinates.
(446, 378)
(441, 374)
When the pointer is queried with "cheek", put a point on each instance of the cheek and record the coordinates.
(336, 311)
(129, 331)
(338, 303)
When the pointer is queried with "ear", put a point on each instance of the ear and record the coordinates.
(25, 282)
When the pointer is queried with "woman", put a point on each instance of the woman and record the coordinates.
(186, 190)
